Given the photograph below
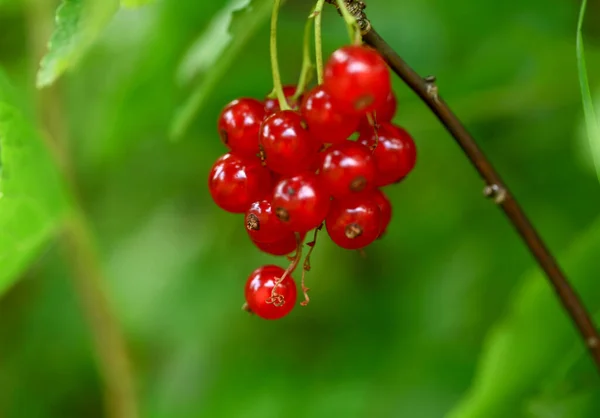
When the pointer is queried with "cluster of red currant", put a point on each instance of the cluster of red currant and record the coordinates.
(292, 170)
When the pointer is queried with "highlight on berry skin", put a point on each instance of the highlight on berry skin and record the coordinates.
(292, 165)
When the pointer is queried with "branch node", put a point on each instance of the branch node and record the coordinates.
(432, 88)
(357, 10)
(496, 192)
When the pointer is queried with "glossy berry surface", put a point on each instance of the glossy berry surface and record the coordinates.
(258, 293)
(301, 202)
(235, 183)
(354, 223)
(263, 225)
(357, 78)
(287, 146)
(325, 122)
(347, 168)
(385, 206)
(239, 123)
(384, 112)
(284, 246)
(395, 152)
(272, 105)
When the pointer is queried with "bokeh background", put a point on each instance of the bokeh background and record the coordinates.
(400, 333)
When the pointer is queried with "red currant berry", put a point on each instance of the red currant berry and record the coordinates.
(354, 223)
(395, 152)
(383, 113)
(263, 225)
(236, 182)
(260, 297)
(358, 79)
(287, 146)
(272, 105)
(347, 168)
(301, 202)
(238, 125)
(284, 246)
(325, 122)
(384, 206)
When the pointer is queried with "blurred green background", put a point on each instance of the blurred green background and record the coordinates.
(400, 333)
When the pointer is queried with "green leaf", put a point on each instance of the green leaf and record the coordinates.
(591, 118)
(78, 24)
(32, 200)
(214, 52)
(135, 3)
(535, 336)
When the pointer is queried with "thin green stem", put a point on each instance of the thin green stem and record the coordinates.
(318, 40)
(351, 23)
(277, 86)
(307, 65)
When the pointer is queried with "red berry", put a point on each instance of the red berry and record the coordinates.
(325, 122)
(263, 225)
(384, 206)
(358, 79)
(259, 292)
(347, 168)
(301, 202)
(395, 154)
(236, 182)
(354, 223)
(284, 246)
(383, 113)
(287, 146)
(238, 125)
(272, 105)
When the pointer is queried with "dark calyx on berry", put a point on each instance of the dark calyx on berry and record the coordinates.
(358, 79)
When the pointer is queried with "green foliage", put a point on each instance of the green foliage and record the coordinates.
(591, 118)
(135, 3)
(32, 201)
(78, 23)
(214, 52)
(396, 334)
(523, 350)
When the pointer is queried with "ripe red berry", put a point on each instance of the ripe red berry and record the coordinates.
(347, 168)
(385, 207)
(272, 104)
(263, 225)
(325, 122)
(287, 146)
(301, 202)
(259, 293)
(395, 153)
(383, 113)
(238, 125)
(235, 182)
(284, 246)
(354, 222)
(357, 78)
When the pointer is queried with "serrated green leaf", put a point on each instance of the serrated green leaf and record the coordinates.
(32, 200)
(591, 118)
(78, 24)
(534, 337)
(214, 52)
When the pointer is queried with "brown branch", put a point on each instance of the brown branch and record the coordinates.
(427, 90)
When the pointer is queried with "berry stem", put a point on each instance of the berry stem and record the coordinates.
(307, 65)
(277, 86)
(427, 90)
(306, 266)
(351, 23)
(277, 299)
(319, 40)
